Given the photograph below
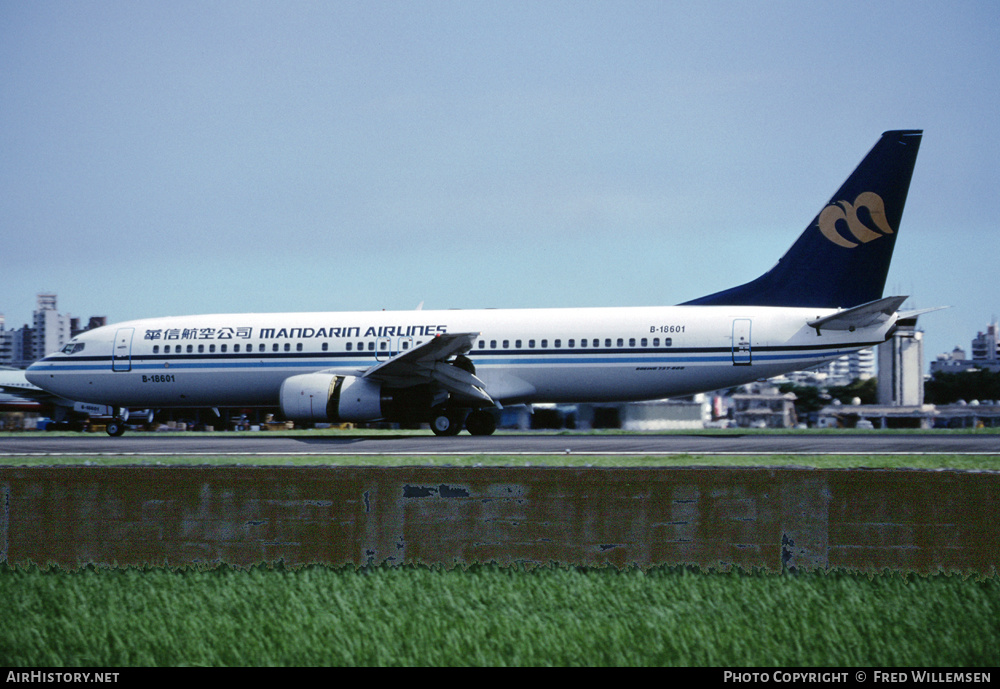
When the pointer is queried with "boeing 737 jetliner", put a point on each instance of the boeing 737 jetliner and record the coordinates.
(455, 368)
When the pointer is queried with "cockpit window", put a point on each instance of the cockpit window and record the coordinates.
(73, 347)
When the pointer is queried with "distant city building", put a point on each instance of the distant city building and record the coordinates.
(985, 347)
(870, 416)
(985, 354)
(49, 333)
(16, 346)
(23, 347)
(5, 343)
(51, 327)
(765, 407)
(94, 322)
(843, 371)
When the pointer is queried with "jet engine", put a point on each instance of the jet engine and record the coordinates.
(328, 397)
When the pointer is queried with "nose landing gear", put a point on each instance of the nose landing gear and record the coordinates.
(116, 427)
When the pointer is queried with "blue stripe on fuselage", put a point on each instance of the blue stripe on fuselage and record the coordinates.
(487, 358)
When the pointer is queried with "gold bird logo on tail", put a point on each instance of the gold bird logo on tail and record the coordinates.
(848, 212)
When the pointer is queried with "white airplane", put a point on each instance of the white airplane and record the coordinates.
(455, 368)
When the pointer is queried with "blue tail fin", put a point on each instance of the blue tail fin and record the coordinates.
(842, 258)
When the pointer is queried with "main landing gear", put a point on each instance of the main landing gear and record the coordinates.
(450, 422)
(481, 422)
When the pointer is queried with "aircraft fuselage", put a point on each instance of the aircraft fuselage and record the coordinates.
(522, 355)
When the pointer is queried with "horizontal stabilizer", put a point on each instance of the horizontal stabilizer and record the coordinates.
(907, 315)
(873, 313)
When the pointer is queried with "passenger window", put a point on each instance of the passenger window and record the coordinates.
(607, 342)
(288, 346)
(326, 346)
(349, 346)
(223, 348)
(631, 342)
(298, 347)
(482, 344)
(531, 344)
(493, 344)
(371, 346)
(656, 342)
(201, 349)
(506, 344)
(644, 342)
(274, 347)
(545, 344)
(668, 342)
(156, 349)
(557, 344)
(621, 342)
(211, 348)
(236, 348)
(190, 348)
(517, 344)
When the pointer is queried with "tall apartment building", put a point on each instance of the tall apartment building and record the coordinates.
(50, 332)
(6, 343)
(985, 354)
(51, 327)
(985, 346)
(16, 346)
(851, 367)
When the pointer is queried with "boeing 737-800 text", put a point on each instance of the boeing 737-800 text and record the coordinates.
(454, 368)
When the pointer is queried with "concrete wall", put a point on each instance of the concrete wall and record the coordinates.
(924, 521)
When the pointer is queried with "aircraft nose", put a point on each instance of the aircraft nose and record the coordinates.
(37, 375)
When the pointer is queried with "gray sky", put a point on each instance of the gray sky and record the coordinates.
(162, 158)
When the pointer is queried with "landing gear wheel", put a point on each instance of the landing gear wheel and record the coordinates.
(116, 427)
(481, 422)
(445, 423)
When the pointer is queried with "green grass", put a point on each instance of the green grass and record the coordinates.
(930, 461)
(487, 615)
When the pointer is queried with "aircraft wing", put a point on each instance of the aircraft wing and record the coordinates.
(428, 363)
(16, 393)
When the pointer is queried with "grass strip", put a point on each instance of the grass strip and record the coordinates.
(493, 616)
(966, 462)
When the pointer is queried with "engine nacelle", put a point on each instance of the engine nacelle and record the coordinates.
(328, 397)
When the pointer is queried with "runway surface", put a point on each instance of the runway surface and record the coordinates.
(222, 444)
